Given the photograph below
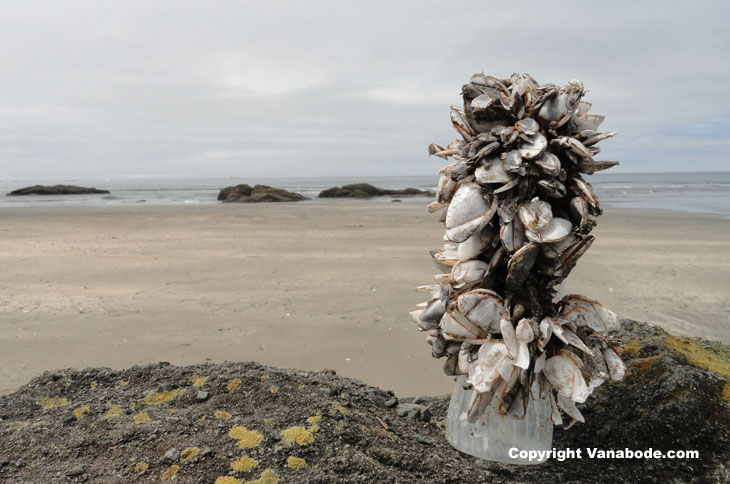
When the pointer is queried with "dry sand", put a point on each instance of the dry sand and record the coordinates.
(310, 285)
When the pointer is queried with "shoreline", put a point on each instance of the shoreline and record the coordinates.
(610, 206)
(325, 284)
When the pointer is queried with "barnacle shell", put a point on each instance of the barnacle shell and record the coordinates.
(469, 212)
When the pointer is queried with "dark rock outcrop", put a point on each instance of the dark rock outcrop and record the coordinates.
(148, 423)
(55, 190)
(259, 193)
(365, 190)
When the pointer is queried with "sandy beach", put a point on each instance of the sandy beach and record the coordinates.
(310, 285)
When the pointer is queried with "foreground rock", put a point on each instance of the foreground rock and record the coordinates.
(266, 425)
(55, 190)
(259, 193)
(365, 190)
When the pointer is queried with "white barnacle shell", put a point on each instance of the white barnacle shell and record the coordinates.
(474, 245)
(563, 373)
(508, 336)
(491, 358)
(583, 188)
(555, 417)
(445, 258)
(549, 163)
(570, 338)
(558, 109)
(483, 308)
(573, 146)
(455, 327)
(583, 121)
(533, 147)
(524, 335)
(528, 126)
(458, 120)
(446, 189)
(492, 171)
(546, 331)
(434, 311)
(524, 331)
(556, 230)
(535, 214)
(416, 315)
(470, 211)
(586, 312)
(614, 363)
(555, 249)
(512, 162)
(567, 405)
(467, 272)
(512, 235)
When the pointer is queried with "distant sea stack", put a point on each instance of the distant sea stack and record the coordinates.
(55, 190)
(365, 190)
(259, 193)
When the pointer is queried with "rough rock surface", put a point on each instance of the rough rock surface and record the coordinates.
(55, 190)
(365, 190)
(258, 193)
(266, 425)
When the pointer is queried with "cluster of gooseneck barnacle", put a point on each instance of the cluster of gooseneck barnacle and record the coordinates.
(518, 216)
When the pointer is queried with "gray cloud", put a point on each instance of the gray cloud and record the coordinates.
(102, 88)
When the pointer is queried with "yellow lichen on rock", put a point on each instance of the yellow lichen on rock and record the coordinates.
(142, 417)
(264, 377)
(234, 384)
(122, 383)
(297, 435)
(141, 467)
(227, 480)
(48, 403)
(222, 415)
(337, 406)
(296, 463)
(702, 357)
(247, 439)
(82, 412)
(18, 425)
(198, 381)
(266, 477)
(170, 473)
(274, 389)
(114, 411)
(244, 464)
(314, 423)
(157, 398)
(189, 453)
(631, 348)
(93, 385)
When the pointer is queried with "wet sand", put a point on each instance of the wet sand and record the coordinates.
(309, 285)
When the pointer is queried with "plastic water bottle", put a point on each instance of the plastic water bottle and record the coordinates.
(493, 435)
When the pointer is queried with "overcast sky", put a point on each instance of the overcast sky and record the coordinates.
(272, 88)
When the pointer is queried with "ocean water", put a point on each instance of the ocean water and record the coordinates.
(707, 192)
